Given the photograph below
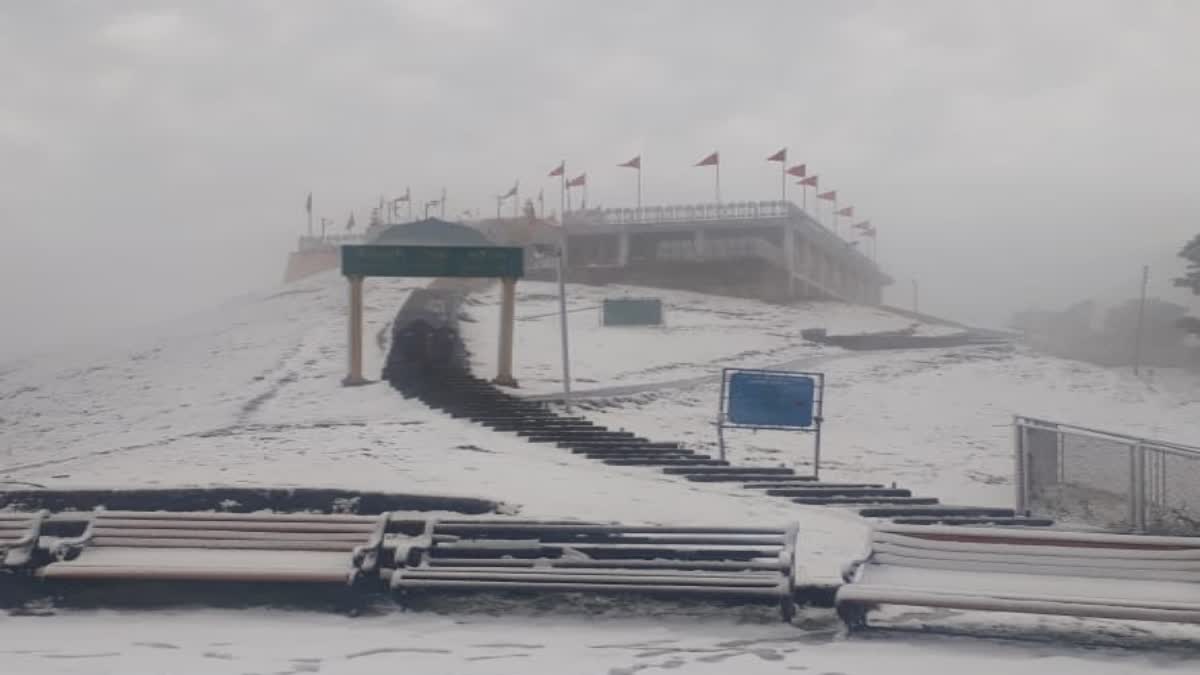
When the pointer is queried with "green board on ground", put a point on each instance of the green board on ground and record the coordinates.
(377, 260)
(632, 312)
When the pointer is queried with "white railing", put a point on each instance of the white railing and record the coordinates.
(1108, 480)
(686, 213)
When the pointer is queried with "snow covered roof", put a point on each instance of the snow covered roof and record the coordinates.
(432, 231)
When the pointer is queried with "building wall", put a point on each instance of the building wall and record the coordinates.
(773, 262)
(301, 264)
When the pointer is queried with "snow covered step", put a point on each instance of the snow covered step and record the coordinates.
(836, 492)
(741, 471)
(866, 502)
(665, 461)
(1019, 521)
(629, 452)
(637, 444)
(505, 413)
(901, 511)
(806, 482)
(569, 433)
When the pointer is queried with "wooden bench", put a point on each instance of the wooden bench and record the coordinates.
(1075, 574)
(19, 537)
(256, 547)
(501, 555)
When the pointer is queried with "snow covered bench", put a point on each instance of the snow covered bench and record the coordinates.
(501, 555)
(256, 547)
(1040, 572)
(19, 537)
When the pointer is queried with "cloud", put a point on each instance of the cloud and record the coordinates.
(982, 138)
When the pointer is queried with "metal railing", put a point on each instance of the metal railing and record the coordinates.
(1108, 480)
(687, 213)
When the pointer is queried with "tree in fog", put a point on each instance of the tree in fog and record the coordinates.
(1191, 253)
(1191, 279)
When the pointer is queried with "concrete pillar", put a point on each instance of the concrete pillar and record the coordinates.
(508, 304)
(623, 249)
(355, 333)
(700, 242)
(789, 250)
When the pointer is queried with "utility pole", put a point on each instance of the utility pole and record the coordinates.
(1137, 339)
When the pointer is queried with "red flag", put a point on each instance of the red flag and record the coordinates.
(848, 212)
(799, 171)
(558, 170)
(831, 195)
(869, 232)
(512, 192)
(578, 181)
(780, 156)
(712, 160)
(810, 181)
(635, 163)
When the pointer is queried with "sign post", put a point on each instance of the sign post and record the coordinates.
(772, 399)
(377, 260)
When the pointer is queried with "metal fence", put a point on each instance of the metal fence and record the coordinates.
(1107, 480)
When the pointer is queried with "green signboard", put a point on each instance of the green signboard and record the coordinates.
(378, 260)
(632, 312)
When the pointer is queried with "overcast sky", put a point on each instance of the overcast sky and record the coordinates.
(155, 156)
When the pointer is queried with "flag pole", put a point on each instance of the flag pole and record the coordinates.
(443, 216)
(499, 199)
(310, 227)
(639, 194)
(562, 289)
(783, 178)
(718, 166)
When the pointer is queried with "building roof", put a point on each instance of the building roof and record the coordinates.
(431, 232)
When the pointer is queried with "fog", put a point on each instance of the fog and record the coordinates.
(155, 156)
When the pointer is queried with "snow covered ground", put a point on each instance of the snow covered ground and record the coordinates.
(261, 642)
(249, 394)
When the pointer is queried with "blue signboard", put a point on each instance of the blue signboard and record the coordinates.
(771, 400)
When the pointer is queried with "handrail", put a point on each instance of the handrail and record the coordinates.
(1048, 425)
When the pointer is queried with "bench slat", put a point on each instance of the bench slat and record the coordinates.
(196, 573)
(1115, 566)
(866, 594)
(674, 588)
(1033, 568)
(255, 526)
(1035, 548)
(131, 542)
(265, 535)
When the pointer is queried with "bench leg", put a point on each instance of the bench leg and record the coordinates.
(787, 608)
(853, 615)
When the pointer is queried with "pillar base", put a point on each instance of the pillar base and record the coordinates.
(351, 381)
(505, 381)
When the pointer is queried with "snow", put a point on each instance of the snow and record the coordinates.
(257, 641)
(701, 332)
(249, 394)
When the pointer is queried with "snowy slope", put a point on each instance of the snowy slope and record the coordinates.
(701, 332)
(249, 394)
